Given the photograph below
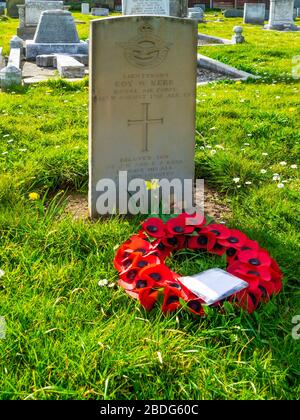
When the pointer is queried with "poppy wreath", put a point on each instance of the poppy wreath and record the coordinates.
(144, 275)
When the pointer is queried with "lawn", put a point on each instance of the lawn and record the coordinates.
(69, 338)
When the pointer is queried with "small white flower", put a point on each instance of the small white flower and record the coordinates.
(6, 135)
(238, 186)
(22, 150)
(248, 182)
(212, 128)
(265, 154)
(4, 153)
(102, 282)
(280, 185)
(263, 171)
(208, 146)
(111, 285)
(283, 163)
(219, 146)
(236, 180)
(278, 97)
(246, 144)
(10, 141)
(159, 357)
(294, 166)
(213, 152)
(1, 273)
(276, 177)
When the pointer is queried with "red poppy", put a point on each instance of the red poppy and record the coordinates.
(154, 226)
(200, 241)
(171, 299)
(177, 226)
(236, 239)
(195, 306)
(255, 258)
(249, 244)
(220, 231)
(250, 271)
(174, 242)
(157, 272)
(160, 249)
(148, 298)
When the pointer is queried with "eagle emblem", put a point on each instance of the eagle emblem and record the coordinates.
(146, 50)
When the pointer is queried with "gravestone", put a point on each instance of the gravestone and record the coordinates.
(2, 59)
(281, 15)
(85, 8)
(142, 100)
(179, 8)
(29, 15)
(298, 12)
(12, 9)
(145, 7)
(233, 13)
(56, 34)
(99, 11)
(254, 13)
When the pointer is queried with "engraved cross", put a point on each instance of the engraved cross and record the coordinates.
(145, 122)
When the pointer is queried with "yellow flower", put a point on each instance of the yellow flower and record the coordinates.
(34, 196)
(238, 82)
(152, 185)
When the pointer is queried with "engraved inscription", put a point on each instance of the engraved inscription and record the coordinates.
(145, 123)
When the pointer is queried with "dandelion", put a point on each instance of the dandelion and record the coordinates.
(152, 185)
(263, 171)
(283, 163)
(34, 196)
(102, 282)
(294, 166)
(280, 185)
(236, 180)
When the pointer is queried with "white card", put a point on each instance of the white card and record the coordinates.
(213, 285)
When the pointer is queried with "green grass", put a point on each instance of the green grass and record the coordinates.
(69, 338)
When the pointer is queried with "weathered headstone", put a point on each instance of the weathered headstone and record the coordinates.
(281, 15)
(179, 8)
(145, 7)
(2, 59)
(12, 9)
(56, 34)
(29, 15)
(233, 13)
(85, 8)
(100, 11)
(298, 11)
(196, 14)
(142, 100)
(254, 13)
(10, 76)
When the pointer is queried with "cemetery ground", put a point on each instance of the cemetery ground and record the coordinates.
(68, 337)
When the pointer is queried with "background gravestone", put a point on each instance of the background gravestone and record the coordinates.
(281, 15)
(12, 9)
(142, 99)
(145, 7)
(254, 13)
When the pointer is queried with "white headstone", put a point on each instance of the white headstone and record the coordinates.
(146, 7)
(254, 13)
(85, 8)
(281, 15)
(142, 100)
